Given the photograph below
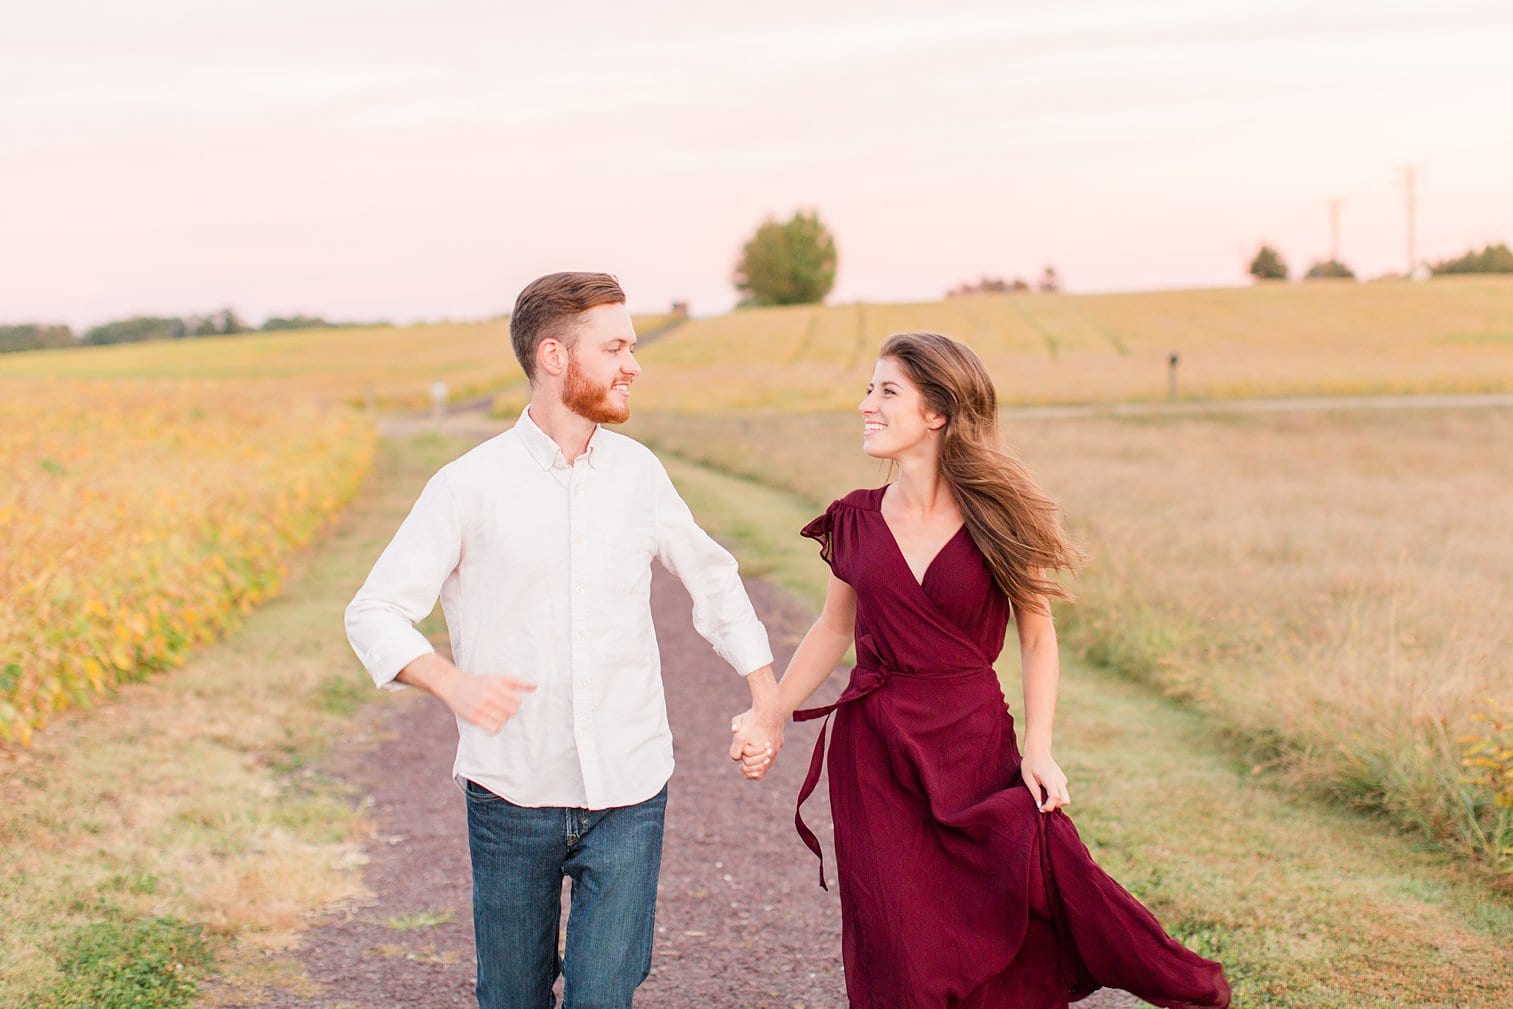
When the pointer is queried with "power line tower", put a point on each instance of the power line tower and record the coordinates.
(1334, 229)
(1410, 193)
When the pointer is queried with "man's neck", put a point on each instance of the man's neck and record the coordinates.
(570, 431)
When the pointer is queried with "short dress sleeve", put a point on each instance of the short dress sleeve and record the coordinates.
(823, 530)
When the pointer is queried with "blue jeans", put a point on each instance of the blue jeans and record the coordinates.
(520, 856)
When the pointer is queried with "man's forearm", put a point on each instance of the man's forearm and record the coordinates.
(431, 673)
(764, 691)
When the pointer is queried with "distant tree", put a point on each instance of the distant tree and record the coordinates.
(228, 322)
(1268, 264)
(788, 263)
(988, 285)
(30, 336)
(222, 323)
(278, 322)
(1050, 280)
(1328, 269)
(1493, 259)
(201, 325)
(143, 327)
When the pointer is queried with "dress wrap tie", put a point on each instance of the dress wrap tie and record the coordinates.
(864, 680)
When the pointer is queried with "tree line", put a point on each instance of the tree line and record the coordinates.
(226, 322)
(1268, 264)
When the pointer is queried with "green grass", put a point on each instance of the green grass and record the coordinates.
(1308, 905)
(129, 963)
(419, 920)
(747, 515)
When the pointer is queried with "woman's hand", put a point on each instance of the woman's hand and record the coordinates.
(1042, 776)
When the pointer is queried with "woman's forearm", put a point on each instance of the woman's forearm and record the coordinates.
(817, 656)
(1041, 673)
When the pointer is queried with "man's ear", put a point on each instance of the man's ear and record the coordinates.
(551, 356)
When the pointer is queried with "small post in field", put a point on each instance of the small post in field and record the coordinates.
(438, 401)
(1171, 375)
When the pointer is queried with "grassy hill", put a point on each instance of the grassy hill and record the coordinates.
(1454, 334)
(1450, 335)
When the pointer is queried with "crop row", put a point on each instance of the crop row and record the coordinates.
(140, 518)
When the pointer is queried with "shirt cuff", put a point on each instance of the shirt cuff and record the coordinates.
(747, 649)
(385, 660)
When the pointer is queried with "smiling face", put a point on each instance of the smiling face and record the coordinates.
(601, 366)
(895, 418)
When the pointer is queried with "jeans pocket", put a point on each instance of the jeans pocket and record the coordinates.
(477, 793)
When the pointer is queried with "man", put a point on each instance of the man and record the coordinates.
(540, 544)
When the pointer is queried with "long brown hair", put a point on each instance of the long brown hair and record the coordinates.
(1012, 521)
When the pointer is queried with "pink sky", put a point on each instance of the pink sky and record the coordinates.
(408, 161)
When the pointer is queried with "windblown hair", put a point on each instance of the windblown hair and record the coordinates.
(549, 307)
(1012, 521)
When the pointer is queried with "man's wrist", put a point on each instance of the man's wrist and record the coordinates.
(765, 698)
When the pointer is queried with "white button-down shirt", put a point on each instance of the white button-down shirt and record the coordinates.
(544, 573)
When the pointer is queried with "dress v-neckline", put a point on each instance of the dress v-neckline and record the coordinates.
(898, 549)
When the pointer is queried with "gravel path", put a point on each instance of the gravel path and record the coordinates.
(742, 923)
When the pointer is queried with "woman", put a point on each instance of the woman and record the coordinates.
(962, 883)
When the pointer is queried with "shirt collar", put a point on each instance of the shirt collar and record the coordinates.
(544, 450)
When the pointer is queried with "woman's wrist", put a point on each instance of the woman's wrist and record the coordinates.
(1037, 744)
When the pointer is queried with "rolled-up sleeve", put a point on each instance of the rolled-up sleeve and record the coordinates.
(722, 611)
(403, 586)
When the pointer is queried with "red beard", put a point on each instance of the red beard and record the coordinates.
(589, 401)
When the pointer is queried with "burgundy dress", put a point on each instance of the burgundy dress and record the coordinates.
(956, 892)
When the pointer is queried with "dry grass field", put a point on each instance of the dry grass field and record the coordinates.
(1450, 335)
(394, 364)
(1332, 588)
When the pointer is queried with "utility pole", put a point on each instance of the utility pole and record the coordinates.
(1334, 229)
(1410, 191)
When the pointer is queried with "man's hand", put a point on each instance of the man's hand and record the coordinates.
(756, 738)
(758, 731)
(486, 701)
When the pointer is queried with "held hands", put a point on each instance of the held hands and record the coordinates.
(1040, 772)
(756, 740)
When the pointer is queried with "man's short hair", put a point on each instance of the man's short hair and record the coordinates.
(550, 306)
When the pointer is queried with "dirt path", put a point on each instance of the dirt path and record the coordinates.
(741, 921)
